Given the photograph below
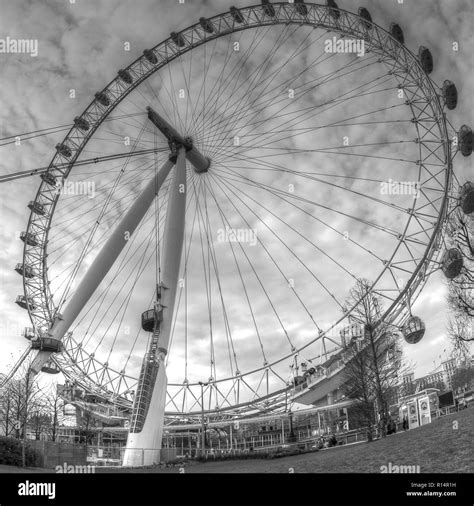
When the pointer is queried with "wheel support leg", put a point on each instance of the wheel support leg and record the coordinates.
(147, 434)
(103, 262)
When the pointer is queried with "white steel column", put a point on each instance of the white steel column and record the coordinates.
(148, 441)
(173, 238)
(103, 262)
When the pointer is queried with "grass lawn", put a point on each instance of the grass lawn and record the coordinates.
(436, 448)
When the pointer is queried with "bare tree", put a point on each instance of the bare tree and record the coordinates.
(407, 388)
(39, 421)
(47, 415)
(461, 295)
(460, 334)
(460, 232)
(359, 386)
(21, 398)
(54, 406)
(22, 393)
(374, 362)
(88, 426)
(463, 379)
(7, 400)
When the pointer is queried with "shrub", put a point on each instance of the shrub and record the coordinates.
(11, 453)
(270, 454)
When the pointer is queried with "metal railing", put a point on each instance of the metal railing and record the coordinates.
(112, 456)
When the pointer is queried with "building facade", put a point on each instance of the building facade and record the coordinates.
(449, 369)
(442, 375)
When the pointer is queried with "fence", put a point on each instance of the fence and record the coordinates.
(448, 410)
(304, 445)
(136, 457)
(53, 454)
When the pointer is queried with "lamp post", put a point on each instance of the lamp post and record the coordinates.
(203, 440)
(291, 436)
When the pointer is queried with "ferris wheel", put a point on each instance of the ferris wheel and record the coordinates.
(215, 202)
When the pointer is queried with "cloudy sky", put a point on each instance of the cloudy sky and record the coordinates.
(257, 316)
